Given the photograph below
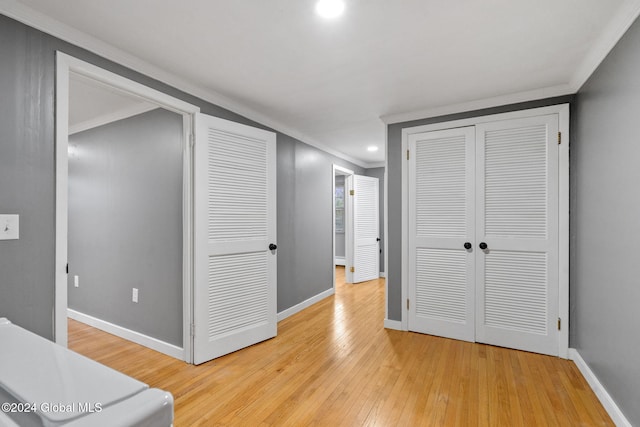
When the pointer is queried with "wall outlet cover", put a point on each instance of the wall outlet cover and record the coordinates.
(9, 227)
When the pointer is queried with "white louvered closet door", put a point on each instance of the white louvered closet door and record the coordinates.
(366, 228)
(234, 223)
(441, 221)
(517, 218)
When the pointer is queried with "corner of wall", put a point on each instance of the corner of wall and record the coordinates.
(607, 401)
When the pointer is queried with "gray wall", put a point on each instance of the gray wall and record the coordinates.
(125, 223)
(605, 224)
(340, 238)
(305, 246)
(379, 173)
(27, 183)
(394, 199)
(27, 174)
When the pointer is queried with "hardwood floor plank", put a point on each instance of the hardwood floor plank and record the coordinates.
(334, 364)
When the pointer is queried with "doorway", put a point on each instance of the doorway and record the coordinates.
(340, 215)
(125, 215)
(69, 68)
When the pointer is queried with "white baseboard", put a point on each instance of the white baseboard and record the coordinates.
(128, 334)
(304, 304)
(340, 261)
(383, 274)
(607, 401)
(393, 324)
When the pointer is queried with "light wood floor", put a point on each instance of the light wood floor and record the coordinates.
(334, 364)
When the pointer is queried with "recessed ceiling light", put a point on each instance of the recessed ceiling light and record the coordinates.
(330, 8)
(372, 148)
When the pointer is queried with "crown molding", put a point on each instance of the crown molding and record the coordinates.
(479, 104)
(626, 16)
(31, 17)
(376, 165)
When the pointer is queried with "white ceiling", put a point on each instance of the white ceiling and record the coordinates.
(329, 82)
(92, 104)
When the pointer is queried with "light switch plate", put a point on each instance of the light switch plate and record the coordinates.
(9, 227)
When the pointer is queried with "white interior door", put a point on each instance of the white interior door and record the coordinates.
(441, 221)
(517, 218)
(234, 226)
(363, 260)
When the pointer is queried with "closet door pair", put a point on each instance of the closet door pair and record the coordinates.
(483, 233)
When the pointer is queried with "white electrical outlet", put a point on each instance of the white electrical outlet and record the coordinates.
(9, 227)
(134, 295)
(76, 281)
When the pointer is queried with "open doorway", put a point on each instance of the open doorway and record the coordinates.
(123, 208)
(340, 223)
(125, 215)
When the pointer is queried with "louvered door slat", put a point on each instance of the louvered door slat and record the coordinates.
(515, 291)
(441, 185)
(515, 177)
(441, 284)
(237, 187)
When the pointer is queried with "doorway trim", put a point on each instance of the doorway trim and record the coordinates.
(346, 172)
(563, 206)
(65, 65)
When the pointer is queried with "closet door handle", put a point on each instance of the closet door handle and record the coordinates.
(272, 247)
(483, 246)
(467, 245)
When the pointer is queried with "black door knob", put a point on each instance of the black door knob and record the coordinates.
(483, 245)
(467, 245)
(377, 239)
(273, 247)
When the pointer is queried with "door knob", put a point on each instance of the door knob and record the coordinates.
(377, 239)
(467, 245)
(483, 245)
(272, 247)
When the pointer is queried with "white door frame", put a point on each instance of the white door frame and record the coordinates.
(563, 204)
(341, 171)
(65, 65)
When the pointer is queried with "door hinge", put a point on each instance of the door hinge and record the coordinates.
(67, 268)
(352, 192)
(407, 154)
(193, 330)
(407, 303)
(192, 140)
(559, 323)
(559, 138)
(352, 269)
